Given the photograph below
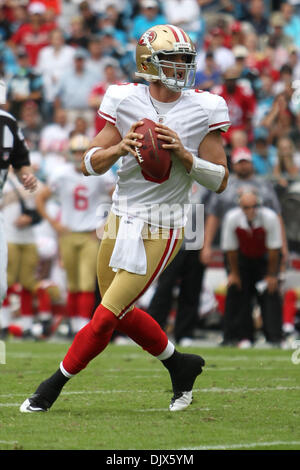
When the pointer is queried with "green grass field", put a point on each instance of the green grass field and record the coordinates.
(245, 399)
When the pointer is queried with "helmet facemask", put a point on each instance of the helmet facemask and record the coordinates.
(184, 73)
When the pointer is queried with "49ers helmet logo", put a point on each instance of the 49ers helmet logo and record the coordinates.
(148, 36)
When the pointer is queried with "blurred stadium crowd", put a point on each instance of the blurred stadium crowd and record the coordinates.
(58, 58)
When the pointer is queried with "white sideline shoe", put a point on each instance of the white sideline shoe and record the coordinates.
(181, 401)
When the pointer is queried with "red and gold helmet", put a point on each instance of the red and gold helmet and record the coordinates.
(154, 52)
(78, 144)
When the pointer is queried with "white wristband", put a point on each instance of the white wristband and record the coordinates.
(207, 174)
(88, 163)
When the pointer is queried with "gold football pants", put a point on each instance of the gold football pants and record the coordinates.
(79, 256)
(22, 265)
(120, 290)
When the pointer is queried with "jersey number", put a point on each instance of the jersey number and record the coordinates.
(81, 201)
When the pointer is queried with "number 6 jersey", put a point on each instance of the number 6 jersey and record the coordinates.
(192, 116)
(83, 200)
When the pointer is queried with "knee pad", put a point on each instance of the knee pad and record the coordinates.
(103, 320)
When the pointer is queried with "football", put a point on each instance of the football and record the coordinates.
(155, 161)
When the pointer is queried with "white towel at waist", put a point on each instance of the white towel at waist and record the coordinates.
(129, 250)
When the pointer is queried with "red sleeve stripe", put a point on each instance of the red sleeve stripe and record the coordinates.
(107, 117)
(219, 124)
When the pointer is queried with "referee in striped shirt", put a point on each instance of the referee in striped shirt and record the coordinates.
(14, 152)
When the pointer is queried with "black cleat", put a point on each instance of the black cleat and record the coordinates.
(46, 394)
(34, 404)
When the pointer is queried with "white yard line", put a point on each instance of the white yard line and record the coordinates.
(153, 410)
(282, 356)
(8, 405)
(249, 445)
(279, 388)
(8, 442)
(244, 446)
(211, 367)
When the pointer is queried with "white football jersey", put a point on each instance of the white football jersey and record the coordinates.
(194, 114)
(84, 201)
(12, 211)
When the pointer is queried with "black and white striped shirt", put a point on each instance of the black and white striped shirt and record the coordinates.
(13, 149)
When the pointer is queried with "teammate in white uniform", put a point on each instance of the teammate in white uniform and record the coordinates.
(140, 239)
(23, 259)
(81, 214)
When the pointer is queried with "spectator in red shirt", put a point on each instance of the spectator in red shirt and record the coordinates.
(34, 34)
(257, 58)
(112, 74)
(240, 100)
(237, 34)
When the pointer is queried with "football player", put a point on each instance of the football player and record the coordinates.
(145, 228)
(22, 251)
(79, 200)
(13, 152)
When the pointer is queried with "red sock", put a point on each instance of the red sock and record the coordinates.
(58, 309)
(144, 330)
(15, 330)
(6, 301)
(90, 340)
(26, 302)
(86, 303)
(72, 304)
(44, 300)
(289, 306)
